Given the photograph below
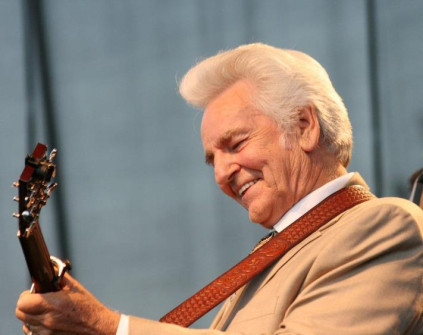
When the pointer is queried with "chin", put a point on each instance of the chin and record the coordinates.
(262, 222)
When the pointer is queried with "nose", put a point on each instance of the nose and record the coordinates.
(225, 168)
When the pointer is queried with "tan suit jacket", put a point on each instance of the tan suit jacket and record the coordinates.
(361, 273)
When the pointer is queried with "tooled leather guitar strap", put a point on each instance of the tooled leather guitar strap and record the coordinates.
(222, 287)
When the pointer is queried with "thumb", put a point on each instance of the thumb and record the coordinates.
(70, 283)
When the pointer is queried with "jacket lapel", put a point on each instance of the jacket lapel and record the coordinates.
(223, 315)
(285, 258)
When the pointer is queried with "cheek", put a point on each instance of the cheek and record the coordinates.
(225, 188)
(277, 174)
(253, 159)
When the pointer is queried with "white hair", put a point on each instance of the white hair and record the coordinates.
(283, 81)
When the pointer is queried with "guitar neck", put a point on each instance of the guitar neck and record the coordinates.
(37, 258)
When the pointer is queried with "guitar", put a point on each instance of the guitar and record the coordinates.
(35, 186)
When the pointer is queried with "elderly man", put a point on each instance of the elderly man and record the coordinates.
(279, 140)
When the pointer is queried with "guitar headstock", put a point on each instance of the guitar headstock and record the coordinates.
(35, 185)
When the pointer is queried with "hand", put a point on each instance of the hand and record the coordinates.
(73, 310)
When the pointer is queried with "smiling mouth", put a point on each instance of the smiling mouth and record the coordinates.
(246, 186)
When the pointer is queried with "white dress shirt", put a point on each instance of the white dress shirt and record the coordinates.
(123, 328)
(311, 200)
(299, 209)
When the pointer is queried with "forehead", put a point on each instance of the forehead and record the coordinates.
(231, 109)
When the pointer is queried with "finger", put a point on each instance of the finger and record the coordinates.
(27, 318)
(25, 329)
(31, 303)
(20, 315)
(24, 293)
(30, 329)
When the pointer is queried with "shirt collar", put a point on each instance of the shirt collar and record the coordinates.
(311, 200)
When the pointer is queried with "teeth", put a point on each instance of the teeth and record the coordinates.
(245, 187)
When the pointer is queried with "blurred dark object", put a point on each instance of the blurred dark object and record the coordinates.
(416, 181)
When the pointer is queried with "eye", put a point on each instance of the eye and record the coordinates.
(238, 144)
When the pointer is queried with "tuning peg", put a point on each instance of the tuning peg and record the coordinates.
(15, 184)
(27, 215)
(16, 199)
(52, 155)
(50, 188)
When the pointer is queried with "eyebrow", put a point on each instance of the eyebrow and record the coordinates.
(223, 140)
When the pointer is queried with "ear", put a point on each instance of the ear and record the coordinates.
(309, 128)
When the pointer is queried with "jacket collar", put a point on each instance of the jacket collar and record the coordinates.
(356, 179)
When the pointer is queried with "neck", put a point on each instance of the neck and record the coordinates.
(322, 169)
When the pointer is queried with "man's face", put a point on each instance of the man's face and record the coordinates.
(251, 165)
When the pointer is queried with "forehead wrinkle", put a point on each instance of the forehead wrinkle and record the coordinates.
(227, 135)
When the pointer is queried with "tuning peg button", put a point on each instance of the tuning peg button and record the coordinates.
(52, 155)
(27, 216)
(50, 188)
